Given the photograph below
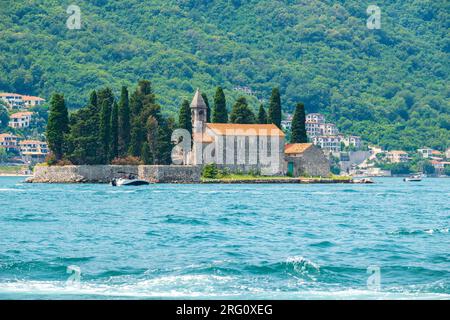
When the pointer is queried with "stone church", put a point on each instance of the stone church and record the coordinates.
(250, 147)
(239, 147)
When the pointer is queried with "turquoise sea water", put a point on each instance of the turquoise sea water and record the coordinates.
(225, 241)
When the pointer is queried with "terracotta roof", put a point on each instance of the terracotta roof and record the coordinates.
(31, 142)
(293, 148)
(32, 98)
(198, 137)
(5, 94)
(21, 114)
(435, 152)
(397, 152)
(238, 129)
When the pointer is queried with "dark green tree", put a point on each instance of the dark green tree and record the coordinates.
(298, 125)
(4, 117)
(105, 102)
(145, 153)
(124, 122)
(114, 150)
(143, 106)
(220, 113)
(262, 115)
(274, 114)
(184, 116)
(241, 113)
(208, 109)
(58, 125)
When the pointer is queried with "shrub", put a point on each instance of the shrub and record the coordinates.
(210, 171)
(50, 159)
(63, 162)
(128, 160)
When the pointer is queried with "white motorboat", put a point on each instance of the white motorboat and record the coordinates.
(413, 178)
(128, 182)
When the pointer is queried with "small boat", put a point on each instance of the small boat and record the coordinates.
(412, 178)
(128, 182)
(363, 180)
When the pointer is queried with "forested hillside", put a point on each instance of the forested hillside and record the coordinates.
(390, 85)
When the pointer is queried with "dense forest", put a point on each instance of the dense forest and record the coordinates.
(389, 85)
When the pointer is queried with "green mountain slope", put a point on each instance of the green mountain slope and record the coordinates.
(388, 85)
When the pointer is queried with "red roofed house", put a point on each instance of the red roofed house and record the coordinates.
(32, 101)
(33, 151)
(9, 142)
(20, 120)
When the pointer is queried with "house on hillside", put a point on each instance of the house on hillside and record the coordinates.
(9, 142)
(33, 151)
(20, 120)
(397, 156)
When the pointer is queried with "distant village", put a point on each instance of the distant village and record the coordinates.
(347, 154)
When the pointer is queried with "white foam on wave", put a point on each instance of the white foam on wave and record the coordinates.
(167, 286)
(11, 190)
(163, 288)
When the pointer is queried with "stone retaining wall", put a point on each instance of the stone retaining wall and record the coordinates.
(105, 173)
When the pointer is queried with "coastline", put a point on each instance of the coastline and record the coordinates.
(159, 174)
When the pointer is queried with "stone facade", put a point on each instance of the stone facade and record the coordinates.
(105, 173)
(238, 147)
(305, 159)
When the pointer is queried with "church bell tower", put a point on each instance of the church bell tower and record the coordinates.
(198, 115)
(198, 112)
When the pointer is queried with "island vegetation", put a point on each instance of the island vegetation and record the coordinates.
(388, 86)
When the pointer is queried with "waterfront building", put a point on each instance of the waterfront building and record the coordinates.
(305, 159)
(238, 147)
(33, 151)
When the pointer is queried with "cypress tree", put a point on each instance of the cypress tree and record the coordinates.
(274, 114)
(262, 115)
(208, 109)
(184, 116)
(114, 152)
(142, 106)
(220, 114)
(105, 102)
(145, 153)
(298, 125)
(241, 113)
(124, 122)
(58, 125)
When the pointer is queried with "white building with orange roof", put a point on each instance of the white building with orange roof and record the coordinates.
(9, 142)
(12, 100)
(20, 120)
(397, 156)
(32, 101)
(33, 151)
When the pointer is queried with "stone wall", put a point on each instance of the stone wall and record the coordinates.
(105, 173)
(312, 162)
